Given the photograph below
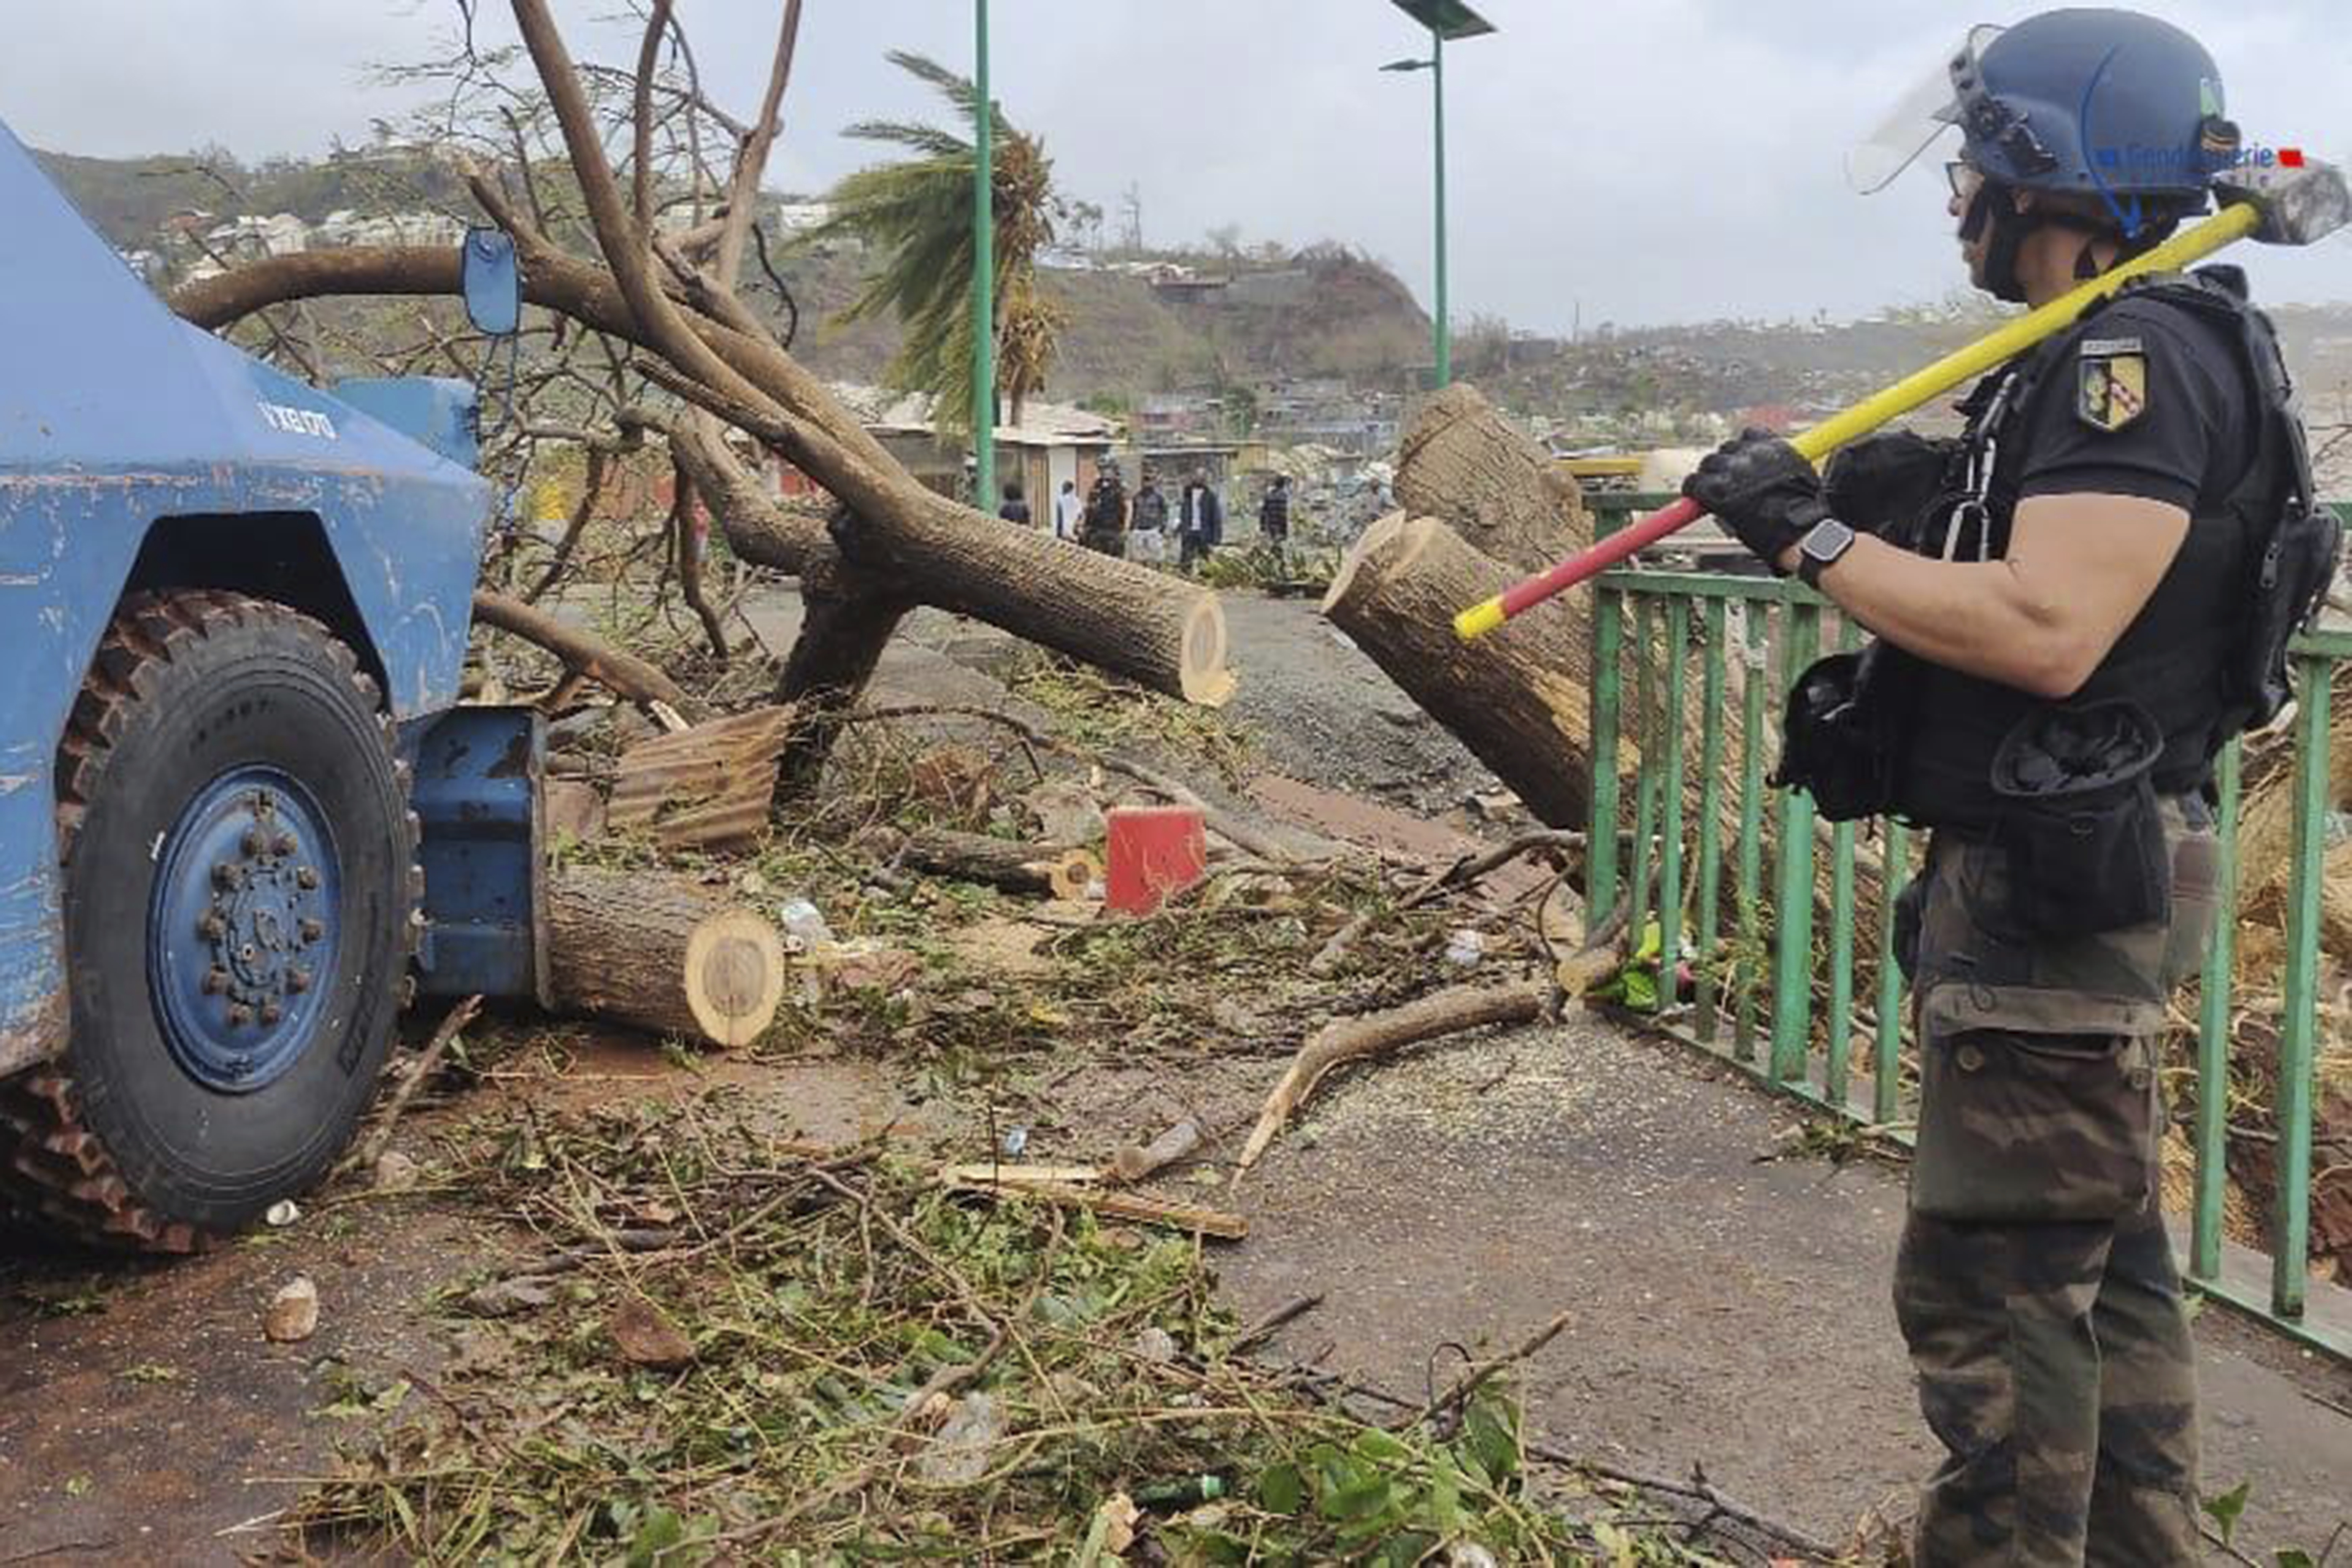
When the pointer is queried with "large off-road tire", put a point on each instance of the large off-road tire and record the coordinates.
(239, 897)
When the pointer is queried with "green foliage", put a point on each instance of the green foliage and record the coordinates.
(841, 1314)
(2227, 1509)
(918, 214)
(1097, 713)
(1295, 568)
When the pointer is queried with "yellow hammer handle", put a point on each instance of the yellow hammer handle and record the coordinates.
(2013, 338)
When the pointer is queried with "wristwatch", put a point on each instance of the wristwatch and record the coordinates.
(1819, 549)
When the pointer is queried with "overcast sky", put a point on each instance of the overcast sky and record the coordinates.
(1643, 161)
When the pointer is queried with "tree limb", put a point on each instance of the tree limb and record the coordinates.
(625, 673)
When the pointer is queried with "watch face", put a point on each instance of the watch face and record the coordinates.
(1828, 540)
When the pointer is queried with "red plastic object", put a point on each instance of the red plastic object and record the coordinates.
(1152, 851)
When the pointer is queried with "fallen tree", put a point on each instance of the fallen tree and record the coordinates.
(1145, 627)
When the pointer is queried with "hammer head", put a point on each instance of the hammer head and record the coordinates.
(2301, 204)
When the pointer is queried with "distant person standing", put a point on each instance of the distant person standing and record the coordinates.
(1015, 508)
(1146, 538)
(1106, 515)
(1199, 521)
(1273, 512)
(1066, 511)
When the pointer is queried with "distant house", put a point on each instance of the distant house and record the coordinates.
(1164, 415)
(344, 226)
(1190, 288)
(799, 217)
(1052, 443)
(279, 234)
(1776, 418)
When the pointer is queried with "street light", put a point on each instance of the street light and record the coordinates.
(1445, 19)
(983, 273)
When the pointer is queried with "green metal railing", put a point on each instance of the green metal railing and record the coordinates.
(1760, 965)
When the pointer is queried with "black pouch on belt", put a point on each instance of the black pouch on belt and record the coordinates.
(2078, 820)
(1840, 733)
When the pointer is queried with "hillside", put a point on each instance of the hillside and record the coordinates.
(1175, 322)
(129, 198)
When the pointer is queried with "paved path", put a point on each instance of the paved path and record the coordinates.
(1724, 1311)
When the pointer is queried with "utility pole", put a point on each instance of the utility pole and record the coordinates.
(983, 273)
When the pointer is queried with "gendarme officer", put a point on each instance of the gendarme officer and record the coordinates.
(2076, 604)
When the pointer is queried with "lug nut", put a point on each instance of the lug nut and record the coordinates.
(216, 982)
(239, 1016)
(298, 981)
(224, 876)
(306, 878)
(254, 843)
(283, 845)
(212, 928)
(311, 930)
(271, 1012)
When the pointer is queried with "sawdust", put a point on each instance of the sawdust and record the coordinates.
(1491, 1084)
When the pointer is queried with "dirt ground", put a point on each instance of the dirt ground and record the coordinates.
(1726, 1307)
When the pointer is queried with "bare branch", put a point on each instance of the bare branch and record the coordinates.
(641, 159)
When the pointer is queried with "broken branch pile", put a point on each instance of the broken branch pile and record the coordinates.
(744, 1348)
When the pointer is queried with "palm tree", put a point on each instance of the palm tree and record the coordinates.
(916, 213)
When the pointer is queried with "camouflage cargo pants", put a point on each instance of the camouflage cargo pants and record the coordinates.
(2034, 1284)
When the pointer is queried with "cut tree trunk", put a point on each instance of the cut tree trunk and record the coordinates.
(1462, 462)
(1053, 870)
(1517, 698)
(661, 953)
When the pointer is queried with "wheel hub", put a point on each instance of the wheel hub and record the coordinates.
(241, 929)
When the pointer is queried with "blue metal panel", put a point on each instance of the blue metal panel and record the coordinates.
(114, 413)
(441, 413)
(477, 798)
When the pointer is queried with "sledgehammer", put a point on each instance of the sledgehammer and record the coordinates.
(2276, 204)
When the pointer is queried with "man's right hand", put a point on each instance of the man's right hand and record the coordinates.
(1763, 489)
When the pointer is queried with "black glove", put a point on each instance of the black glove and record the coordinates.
(1764, 491)
(1883, 483)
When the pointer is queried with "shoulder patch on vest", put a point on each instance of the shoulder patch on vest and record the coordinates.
(2110, 389)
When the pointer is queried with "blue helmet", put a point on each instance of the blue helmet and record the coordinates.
(2099, 103)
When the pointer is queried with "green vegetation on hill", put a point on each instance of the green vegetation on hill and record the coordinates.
(129, 198)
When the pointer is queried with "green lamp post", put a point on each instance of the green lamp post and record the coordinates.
(983, 273)
(1445, 19)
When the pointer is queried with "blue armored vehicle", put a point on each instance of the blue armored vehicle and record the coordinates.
(233, 607)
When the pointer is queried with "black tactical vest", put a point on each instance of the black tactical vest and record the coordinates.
(2180, 659)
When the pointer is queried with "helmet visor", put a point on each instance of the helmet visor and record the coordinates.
(1918, 116)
